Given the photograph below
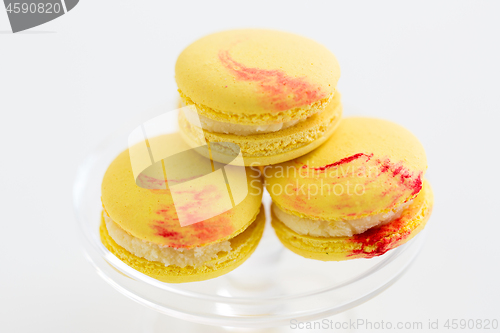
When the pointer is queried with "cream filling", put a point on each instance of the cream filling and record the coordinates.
(215, 126)
(318, 228)
(167, 255)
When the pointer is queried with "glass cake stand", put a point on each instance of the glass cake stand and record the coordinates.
(273, 287)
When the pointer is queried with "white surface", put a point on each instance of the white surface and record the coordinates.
(430, 66)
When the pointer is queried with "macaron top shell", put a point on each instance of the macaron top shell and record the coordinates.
(368, 166)
(256, 72)
(149, 213)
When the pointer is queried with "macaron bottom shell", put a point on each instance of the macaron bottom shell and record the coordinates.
(373, 242)
(243, 245)
(269, 148)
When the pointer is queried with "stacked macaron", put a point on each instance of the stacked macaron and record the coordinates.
(176, 221)
(269, 94)
(359, 195)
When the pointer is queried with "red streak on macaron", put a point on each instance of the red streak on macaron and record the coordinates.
(150, 183)
(201, 201)
(213, 229)
(350, 178)
(300, 201)
(342, 161)
(167, 233)
(192, 235)
(275, 83)
(408, 179)
(207, 231)
(377, 241)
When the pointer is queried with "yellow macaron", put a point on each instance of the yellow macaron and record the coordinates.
(250, 86)
(360, 194)
(183, 218)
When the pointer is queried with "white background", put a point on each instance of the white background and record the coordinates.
(432, 66)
